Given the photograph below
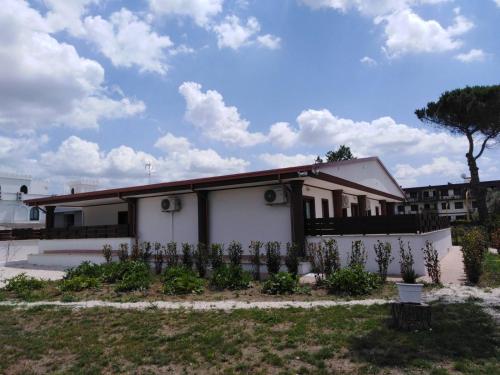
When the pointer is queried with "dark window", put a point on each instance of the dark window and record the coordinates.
(309, 209)
(377, 211)
(72, 190)
(426, 194)
(34, 214)
(457, 191)
(427, 206)
(354, 209)
(69, 220)
(413, 194)
(122, 217)
(24, 189)
(459, 205)
(401, 208)
(444, 206)
(460, 217)
(444, 192)
(325, 208)
(344, 212)
(414, 207)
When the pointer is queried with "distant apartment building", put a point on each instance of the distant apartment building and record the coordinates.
(452, 200)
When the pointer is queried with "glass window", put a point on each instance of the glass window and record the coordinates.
(401, 208)
(459, 205)
(34, 214)
(444, 206)
(414, 207)
(24, 189)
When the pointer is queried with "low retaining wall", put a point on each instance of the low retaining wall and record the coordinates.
(440, 238)
(84, 243)
(17, 250)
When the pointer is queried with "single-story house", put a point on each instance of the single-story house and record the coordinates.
(285, 205)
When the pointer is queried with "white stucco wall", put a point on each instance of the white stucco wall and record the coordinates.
(368, 173)
(83, 243)
(318, 195)
(441, 240)
(11, 251)
(156, 226)
(102, 215)
(242, 215)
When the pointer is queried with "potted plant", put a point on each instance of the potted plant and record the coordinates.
(409, 290)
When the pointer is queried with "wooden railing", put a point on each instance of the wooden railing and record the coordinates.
(420, 223)
(98, 231)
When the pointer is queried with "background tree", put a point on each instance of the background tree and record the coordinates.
(475, 113)
(343, 153)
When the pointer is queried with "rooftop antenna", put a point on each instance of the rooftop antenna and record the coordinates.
(148, 166)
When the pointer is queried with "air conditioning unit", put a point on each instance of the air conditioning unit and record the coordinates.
(275, 196)
(345, 201)
(170, 204)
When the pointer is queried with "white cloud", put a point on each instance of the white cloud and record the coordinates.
(232, 33)
(282, 135)
(280, 160)
(208, 112)
(45, 82)
(405, 31)
(76, 157)
(269, 41)
(201, 11)
(368, 61)
(471, 56)
(16, 152)
(65, 14)
(440, 167)
(497, 2)
(126, 40)
(383, 135)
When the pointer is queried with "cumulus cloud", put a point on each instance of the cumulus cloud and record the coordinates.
(405, 31)
(368, 61)
(472, 56)
(126, 41)
(408, 175)
(233, 33)
(45, 82)
(68, 15)
(280, 160)
(201, 11)
(321, 128)
(76, 157)
(208, 112)
(497, 2)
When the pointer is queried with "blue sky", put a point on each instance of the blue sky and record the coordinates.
(98, 88)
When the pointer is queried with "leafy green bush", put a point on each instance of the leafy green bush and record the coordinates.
(352, 281)
(158, 257)
(280, 283)
(123, 252)
(358, 254)
(171, 257)
(474, 249)
(406, 263)
(23, 284)
(292, 258)
(332, 258)
(383, 257)
(107, 252)
(216, 255)
(135, 277)
(78, 283)
(431, 260)
(273, 257)
(86, 268)
(180, 280)
(113, 272)
(235, 253)
(187, 255)
(201, 259)
(230, 277)
(255, 258)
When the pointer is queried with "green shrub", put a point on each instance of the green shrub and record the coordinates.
(235, 253)
(87, 269)
(406, 263)
(23, 284)
(180, 280)
(113, 272)
(255, 258)
(292, 258)
(78, 283)
(383, 257)
(135, 277)
(145, 251)
(273, 257)
(187, 256)
(123, 252)
(474, 249)
(171, 257)
(431, 260)
(216, 255)
(358, 254)
(201, 258)
(352, 281)
(332, 258)
(230, 277)
(280, 283)
(158, 257)
(107, 252)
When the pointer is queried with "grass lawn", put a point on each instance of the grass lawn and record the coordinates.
(50, 292)
(491, 275)
(330, 340)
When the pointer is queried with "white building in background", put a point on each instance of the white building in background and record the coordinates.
(13, 190)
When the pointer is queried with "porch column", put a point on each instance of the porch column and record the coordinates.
(383, 207)
(337, 202)
(390, 208)
(362, 205)
(49, 216)
(203, 223)
(297, 214)
(132, 216)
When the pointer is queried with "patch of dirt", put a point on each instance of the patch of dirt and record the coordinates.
(47, 364)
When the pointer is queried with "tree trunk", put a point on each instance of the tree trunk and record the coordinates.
(478, 193)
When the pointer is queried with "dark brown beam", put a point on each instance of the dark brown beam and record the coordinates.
(362, 205)
(50, 216)
(132, 216)
(203, 221)
(297, 214)
(337, 202)
(390, 208)
(383, 207)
